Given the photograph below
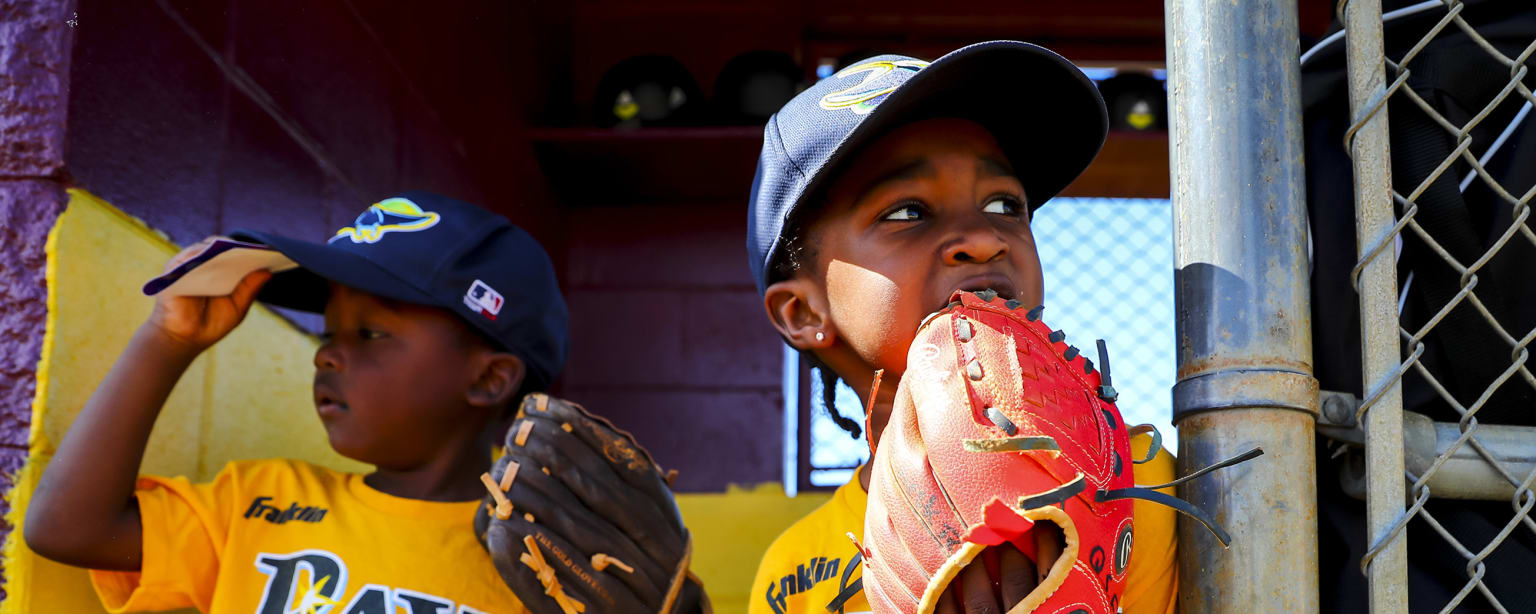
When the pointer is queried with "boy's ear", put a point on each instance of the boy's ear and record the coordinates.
(796, 309)
(500, 377)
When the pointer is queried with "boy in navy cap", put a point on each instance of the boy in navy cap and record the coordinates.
(879, 192)
(439, 315)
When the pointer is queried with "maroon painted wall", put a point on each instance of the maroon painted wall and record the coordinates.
(355, 100)
(34, 86)
(669, 339)
(204, 116)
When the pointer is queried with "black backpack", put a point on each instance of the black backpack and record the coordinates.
(1463, 352)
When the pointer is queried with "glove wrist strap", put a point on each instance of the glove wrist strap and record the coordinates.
(679, 576)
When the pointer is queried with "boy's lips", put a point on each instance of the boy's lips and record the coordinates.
(330, 408)
(996, 282)
(327, 402)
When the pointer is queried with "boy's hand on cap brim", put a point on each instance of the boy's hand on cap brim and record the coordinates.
(195, 322)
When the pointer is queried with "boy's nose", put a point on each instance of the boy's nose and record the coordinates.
(327, 358)
(974, 243)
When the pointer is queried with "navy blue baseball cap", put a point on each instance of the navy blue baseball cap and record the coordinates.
(1046, 115)
(433, 250)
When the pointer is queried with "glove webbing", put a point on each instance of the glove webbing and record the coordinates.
(1157, 441)
(1106, 391)
(534, 559)
(849, 589)
(1075, 487)
(503, 505)
(601, 562)
(1149, 493)
(679, 576)
(1066, 491)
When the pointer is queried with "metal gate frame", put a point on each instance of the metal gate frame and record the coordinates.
(1245, 370)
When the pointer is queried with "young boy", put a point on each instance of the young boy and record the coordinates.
(438, 316)
(879, 192)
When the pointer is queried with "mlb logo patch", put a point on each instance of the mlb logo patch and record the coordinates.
(484, 299)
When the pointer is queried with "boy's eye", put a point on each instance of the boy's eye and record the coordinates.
(368, 333)
(1003, 206)
(905, 213)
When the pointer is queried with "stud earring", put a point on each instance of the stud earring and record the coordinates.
(820, 336)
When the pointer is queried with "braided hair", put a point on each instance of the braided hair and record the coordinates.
(829, 381)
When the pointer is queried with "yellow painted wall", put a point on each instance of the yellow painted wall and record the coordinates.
(731, 530)
(249, 397)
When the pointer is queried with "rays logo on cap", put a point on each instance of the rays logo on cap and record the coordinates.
(386, 216)
(868, 94)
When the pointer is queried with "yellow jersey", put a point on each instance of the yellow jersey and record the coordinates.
(813, 563)
(283, 536)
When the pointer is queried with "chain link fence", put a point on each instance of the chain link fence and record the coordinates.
(1108, 266)
(1440, 140)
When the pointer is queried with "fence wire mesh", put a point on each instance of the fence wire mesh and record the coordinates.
(1464, 341)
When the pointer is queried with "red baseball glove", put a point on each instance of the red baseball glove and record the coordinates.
(999, 425)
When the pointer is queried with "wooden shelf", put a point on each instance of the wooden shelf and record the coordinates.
(1131, 165)
(594, 166)
(656, 135)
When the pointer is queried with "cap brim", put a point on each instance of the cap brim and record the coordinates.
(307, 288)
(1046, 115)
(217, 269)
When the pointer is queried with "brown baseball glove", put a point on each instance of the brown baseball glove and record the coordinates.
(581, 519)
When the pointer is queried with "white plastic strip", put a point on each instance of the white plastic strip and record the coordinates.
(1497, 143)
(1387, 16)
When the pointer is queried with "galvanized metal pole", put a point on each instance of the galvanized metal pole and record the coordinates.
(1244, 323)
(1387, 567)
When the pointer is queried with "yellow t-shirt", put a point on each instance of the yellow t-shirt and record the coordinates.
(813, 562)
(280, 536)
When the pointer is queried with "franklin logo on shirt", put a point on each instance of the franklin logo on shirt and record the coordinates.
(261, 507)
(806, 575)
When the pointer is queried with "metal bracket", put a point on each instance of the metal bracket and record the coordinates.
(1246, 389)
(1467, 474)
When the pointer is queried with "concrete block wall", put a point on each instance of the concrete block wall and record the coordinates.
(669, 339)
(34, 88)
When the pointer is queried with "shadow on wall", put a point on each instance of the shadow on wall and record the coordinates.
(247, 398)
